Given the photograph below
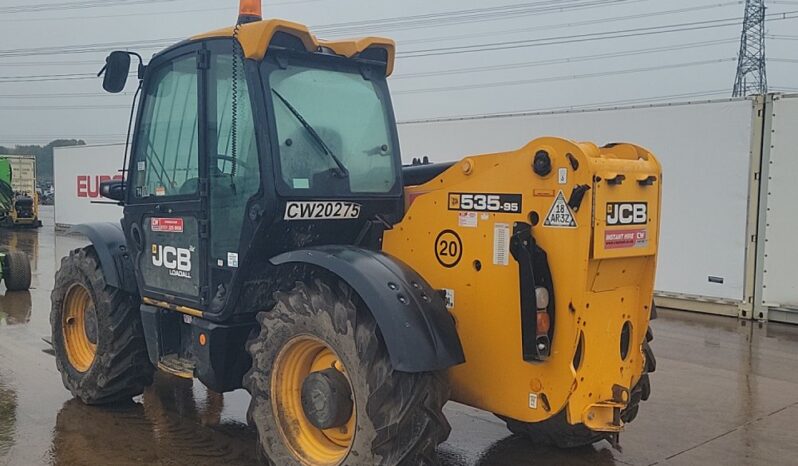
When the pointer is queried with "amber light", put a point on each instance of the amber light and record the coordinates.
(203, 340)
(544, 323)
(250, 10)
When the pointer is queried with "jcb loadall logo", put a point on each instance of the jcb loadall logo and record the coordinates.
(176, 260)
(627, 213)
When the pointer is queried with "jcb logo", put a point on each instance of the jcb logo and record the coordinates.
(176, 260)
(627, 213)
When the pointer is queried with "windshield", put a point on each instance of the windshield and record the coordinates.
(332, 125)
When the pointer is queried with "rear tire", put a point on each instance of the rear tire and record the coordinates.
(397, 417)
(558, 432)
(16, 270)
(97, 334)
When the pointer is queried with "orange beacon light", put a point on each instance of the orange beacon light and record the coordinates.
(250, 11)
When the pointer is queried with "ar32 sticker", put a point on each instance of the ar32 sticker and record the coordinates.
(483, 202)
(560, 215)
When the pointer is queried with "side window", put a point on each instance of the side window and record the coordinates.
(167, 155)
(234, 177)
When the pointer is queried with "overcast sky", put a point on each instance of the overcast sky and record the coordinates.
(505, 55)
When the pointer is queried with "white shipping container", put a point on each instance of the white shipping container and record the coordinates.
(79, 170)
(705, 149)
(777, 275)
(23, 173)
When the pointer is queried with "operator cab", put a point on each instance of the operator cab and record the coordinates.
(249, 142)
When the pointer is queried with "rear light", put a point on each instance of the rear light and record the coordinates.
(542, 298)
(544, 323)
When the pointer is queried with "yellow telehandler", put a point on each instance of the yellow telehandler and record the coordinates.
(273, 240)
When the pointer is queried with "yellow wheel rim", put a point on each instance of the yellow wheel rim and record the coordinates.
(79, 324)
(312, 446)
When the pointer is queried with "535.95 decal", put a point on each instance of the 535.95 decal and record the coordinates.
(479, 202)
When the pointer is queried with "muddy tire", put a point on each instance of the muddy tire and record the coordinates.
(395, 418)
(557, 432)
(16, 271)
(97, 334)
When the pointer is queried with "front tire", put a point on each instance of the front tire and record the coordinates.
(97, 334)
(16, 269)
(389, 417)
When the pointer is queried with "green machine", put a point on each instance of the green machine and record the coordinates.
(6, 191)
(14, 266)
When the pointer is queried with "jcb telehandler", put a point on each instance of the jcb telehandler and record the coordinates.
(273, 240)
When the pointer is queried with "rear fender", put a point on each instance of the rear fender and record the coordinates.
(419, 333)
(109, 243)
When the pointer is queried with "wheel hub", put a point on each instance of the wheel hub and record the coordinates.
(310, 390)
(327, 399)
(79, 326)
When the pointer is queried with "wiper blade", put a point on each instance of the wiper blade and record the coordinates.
(342, 170)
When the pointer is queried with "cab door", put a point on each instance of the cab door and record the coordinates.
(167, 181)
(236, 198)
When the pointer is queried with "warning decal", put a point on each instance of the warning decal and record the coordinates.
(560, 214)
(621, 239)
(167, 225)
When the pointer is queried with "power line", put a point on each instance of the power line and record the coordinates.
(575, 38)
(592, 105)
(396, 23)
(82, 95)
(571, 24)
(160, 43)
(583, 107)
(564, 78)
(557, 61)
(78, 76)
(465, 16)
(160, 13)
(85, 48)
(38, 7)
(50, 77)
(98, 62)
(63, 107)
(442, 89)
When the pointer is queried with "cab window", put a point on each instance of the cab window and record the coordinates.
(166, 162)
(323, 114)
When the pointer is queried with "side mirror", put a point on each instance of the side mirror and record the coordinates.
(117, 69)
(114, 190)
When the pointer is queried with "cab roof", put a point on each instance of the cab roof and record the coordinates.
(256, 37)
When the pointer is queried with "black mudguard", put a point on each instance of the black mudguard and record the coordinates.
(419, 333)
(109, 243)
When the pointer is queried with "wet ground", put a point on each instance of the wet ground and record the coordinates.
(725, 392)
